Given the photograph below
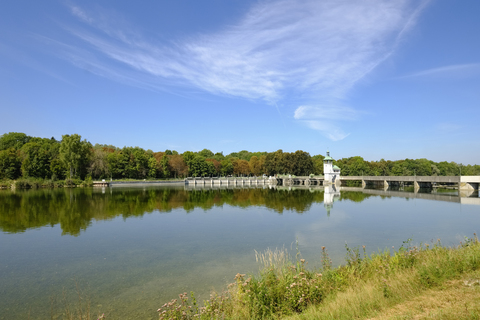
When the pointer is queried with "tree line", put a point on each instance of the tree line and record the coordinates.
(23, 156)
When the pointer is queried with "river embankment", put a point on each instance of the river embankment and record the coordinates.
(383, 285)
(77, 183)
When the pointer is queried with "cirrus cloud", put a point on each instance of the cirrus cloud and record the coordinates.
(311, 50)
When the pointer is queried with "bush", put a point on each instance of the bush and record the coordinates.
(27, 183)
(70, 183)
(6, 184)
(88, 181)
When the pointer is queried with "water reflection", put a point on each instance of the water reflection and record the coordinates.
(75, 209)
(331, 195)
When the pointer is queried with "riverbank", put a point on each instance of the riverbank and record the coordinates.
(33, 183)
(421, 280)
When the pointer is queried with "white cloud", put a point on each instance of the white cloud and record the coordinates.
(325, 112)
(455, 71)
(325, 119)
(310, 50)
(315, 48)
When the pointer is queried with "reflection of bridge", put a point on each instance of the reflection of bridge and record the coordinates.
(332, 193)
(463, 197)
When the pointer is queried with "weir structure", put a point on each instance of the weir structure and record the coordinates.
(230, 181)
(463, 183)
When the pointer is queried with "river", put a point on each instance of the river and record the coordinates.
(129, 250)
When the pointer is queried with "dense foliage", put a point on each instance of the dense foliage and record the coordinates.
(22, 156)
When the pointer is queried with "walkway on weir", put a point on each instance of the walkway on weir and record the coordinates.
(230, 181)
(461, 182)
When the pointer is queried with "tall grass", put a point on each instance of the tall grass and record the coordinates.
(360, 288)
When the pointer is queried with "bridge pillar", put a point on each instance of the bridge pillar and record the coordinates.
(466, 186)
(416, 185)
(385, 184)
(364, 184)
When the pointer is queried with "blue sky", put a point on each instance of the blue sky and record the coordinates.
(375, 78)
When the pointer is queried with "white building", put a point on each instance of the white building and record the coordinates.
(330, 171)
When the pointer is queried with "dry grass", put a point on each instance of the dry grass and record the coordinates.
(277, 259)
(457, 299)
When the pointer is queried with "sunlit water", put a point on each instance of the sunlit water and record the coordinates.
(129, 250)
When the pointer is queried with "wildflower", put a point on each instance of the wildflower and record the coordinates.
(238, 276)
(302, 260)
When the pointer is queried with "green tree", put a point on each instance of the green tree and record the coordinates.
(206, 153)
(98, 167)
(75, 154)
(13, 140)
(165, 166)
(318, 164)
(37, 156)
(10, 164)
(227, 167)
(152, 167)
(302, 163)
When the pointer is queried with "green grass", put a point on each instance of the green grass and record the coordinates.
(363, 288)
(35, 183)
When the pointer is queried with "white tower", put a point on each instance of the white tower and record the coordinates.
(330, 171)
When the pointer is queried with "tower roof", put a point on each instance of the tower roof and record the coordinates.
(327, 157)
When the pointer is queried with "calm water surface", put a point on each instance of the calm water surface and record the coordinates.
(129, 250)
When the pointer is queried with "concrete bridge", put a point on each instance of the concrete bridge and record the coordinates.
(461, 182)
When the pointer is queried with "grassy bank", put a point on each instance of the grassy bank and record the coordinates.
(412, 282)
(34, 183)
